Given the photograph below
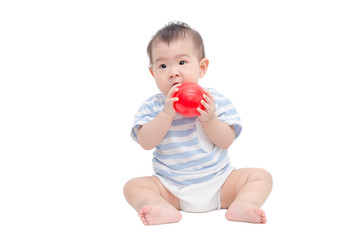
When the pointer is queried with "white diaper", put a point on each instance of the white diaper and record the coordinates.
(201, 197)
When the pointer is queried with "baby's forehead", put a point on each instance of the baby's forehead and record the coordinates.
(180, 40)
(181, 44)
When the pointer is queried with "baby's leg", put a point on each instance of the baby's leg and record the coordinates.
(154, 203)
(244, 192)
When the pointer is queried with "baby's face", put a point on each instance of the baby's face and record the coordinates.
(176, 63)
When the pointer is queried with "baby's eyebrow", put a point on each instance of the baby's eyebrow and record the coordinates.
(182, 55)
(162, 59)
(158, 60)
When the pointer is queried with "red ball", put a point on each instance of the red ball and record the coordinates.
(190, 96)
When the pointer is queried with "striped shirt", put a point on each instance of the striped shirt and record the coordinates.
(186, 156)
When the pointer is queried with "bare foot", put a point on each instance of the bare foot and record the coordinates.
(245, 212)
(159, 214)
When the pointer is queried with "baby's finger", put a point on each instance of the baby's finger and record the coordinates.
(207, 98)
(210, 96)
(202, 112)
(175, 99)
(207, 106)
(173, 90)
(204, 103)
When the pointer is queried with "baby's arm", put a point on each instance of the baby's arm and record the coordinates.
(151, 134)
(220, 133)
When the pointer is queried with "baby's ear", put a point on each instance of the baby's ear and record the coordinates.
(151, 71)
(204, 64)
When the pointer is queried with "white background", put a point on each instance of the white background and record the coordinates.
(73, 73)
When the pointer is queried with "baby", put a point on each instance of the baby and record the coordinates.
(190, 160)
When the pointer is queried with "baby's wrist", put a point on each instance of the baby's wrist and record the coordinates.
(167, 115)
(208, 119)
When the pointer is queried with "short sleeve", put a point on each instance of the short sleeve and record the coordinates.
(226, 111)
(147, 112)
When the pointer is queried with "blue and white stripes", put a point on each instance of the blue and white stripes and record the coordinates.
(186, 156)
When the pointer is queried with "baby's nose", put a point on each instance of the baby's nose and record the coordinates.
(174, 73)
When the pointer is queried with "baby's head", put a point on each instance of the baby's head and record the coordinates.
(175, 31)
(177, 55)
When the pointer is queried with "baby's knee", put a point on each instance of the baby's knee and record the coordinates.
(138, 183)
(268, 177)
(264, 175)
(130, 184)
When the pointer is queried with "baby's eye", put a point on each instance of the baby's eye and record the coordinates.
(182, 62)
(163, 66)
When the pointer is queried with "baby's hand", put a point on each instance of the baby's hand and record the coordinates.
(169, 109)
(209, 104)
